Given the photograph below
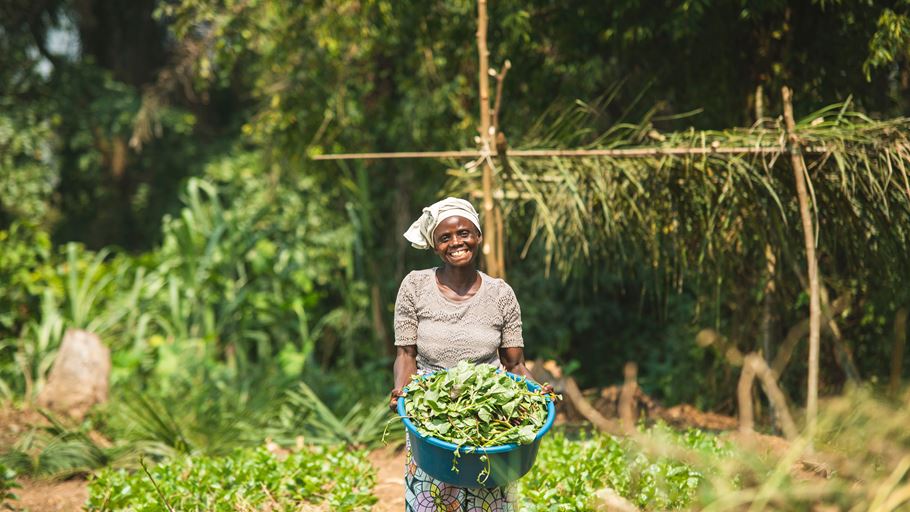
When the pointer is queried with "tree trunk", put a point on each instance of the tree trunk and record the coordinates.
(800, 175)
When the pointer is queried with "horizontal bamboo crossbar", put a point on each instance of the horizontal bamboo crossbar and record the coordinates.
(578, 153)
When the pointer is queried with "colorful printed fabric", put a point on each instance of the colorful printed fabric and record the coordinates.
(424, 493)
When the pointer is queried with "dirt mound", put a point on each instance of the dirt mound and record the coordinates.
(685, 415)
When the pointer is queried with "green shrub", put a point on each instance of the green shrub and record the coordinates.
(248, 479)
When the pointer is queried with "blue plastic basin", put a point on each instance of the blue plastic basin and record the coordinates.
(507, 462)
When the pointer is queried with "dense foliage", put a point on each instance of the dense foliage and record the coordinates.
(244, 480)
(156, 188)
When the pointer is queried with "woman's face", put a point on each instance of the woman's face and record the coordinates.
(456, 240)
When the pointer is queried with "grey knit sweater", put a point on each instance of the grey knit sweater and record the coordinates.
(447, 332)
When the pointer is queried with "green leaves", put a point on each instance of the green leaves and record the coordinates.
(476, 405)
(569, 471)
(336, 477)
(7, 484)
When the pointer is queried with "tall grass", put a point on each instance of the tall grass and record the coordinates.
(860, 462)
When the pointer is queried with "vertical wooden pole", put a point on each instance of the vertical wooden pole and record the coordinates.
(897, 354)
(627, 397)
(490, 231)
(800, 175)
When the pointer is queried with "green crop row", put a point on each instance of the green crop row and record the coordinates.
(566, 476)
(569, 472)
(248, 479)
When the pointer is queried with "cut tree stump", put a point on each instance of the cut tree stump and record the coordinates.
(627, 413)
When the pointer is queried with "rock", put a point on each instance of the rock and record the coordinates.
(79, 377)
(607, 500)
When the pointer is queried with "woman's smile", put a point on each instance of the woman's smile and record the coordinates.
(458, 253)
(456, 240)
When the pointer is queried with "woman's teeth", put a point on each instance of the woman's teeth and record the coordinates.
(459, 252)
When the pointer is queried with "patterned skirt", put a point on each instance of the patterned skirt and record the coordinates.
(424, 493)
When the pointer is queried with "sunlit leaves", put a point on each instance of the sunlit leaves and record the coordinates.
(475, 405)
(334, 477)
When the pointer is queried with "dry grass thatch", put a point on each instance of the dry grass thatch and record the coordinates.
(711, 215)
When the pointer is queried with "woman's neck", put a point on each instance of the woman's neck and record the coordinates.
(461, 280)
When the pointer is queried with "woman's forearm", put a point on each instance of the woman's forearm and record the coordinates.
(405, 365)
(513, 360)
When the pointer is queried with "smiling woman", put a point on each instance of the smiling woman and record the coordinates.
(446, 315)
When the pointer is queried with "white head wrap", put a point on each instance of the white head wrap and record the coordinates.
(420, 234)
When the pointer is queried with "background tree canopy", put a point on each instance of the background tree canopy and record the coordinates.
(177, 136)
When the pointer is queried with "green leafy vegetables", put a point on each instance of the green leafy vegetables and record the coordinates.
(328, 477)
(477, 406)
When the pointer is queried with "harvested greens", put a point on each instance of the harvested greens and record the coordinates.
(475, 405)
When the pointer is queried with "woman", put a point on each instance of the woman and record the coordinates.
(448, 314)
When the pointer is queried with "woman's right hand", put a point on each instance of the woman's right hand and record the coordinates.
(393, 399)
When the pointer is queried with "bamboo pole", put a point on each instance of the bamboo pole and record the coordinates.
(490, 231)
(800, 175)
(578, 153)
(502, 152)
(897, 354)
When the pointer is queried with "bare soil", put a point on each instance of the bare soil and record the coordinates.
(15, 421)
(51, 496)
(389, 463)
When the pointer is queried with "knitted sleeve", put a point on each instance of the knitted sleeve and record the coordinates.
(406, 313)
(511, 315)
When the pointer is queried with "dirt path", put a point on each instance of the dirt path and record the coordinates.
(389, 490)
(38, 496)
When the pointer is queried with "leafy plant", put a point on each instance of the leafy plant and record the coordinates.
(37, 347)
(475, 405)
(58, 451)
(305, 414)
(7, 485)
(568, 472)
(198, 405)
(247, 479)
